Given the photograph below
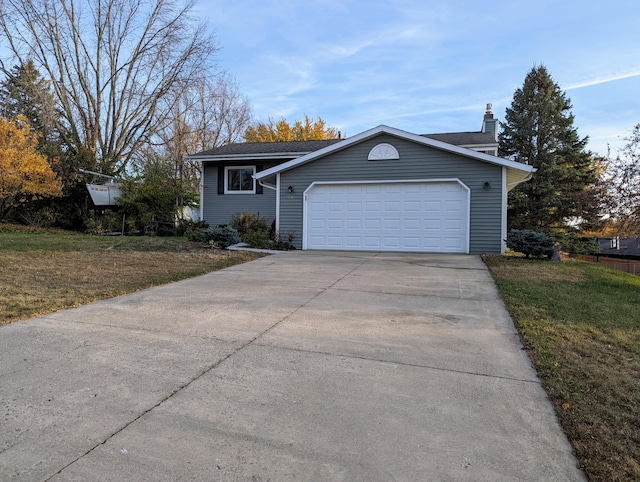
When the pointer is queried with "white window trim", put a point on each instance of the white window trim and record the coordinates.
(383, 152)
(235, 168)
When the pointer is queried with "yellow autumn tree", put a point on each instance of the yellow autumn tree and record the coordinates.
(25, 175)
(281, 131)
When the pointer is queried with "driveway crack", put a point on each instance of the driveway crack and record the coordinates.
(406, 364)
(202, 373)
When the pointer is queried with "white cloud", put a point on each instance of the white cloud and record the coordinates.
(603, 80)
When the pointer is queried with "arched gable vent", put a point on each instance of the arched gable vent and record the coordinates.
(383, 152)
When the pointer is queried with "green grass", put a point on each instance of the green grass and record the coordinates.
(580, 323)
(43, 270)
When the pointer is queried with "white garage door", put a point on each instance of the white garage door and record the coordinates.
(388, 216)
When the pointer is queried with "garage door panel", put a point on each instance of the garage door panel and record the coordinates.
(420, 216)
(452, 243)
(353, 242)
(392, 224)
(412, 206)
(318, 223)
(373, 206)
(317, 206)
(452, 224)
(411, 224)
(392, 206)
(391, 243)
(433, 206)
(432, 242)
(433, 224)
(411, 242)
(374, 224)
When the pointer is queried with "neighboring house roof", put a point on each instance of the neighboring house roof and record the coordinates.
(465, 139)
(625, 246)
(516, 171)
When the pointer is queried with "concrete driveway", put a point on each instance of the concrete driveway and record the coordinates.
(298, 366)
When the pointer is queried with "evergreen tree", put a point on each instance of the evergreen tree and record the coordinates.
(539, 131)
(25, 93)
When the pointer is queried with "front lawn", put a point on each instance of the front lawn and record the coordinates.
(580, 323)
(43, 270)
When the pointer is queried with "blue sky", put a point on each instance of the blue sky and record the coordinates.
(427, 66)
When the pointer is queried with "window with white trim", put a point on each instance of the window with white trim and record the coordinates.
(239, 180)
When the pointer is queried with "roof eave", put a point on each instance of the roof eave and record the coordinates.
(382, 129)
(479, 146)
(241, 157)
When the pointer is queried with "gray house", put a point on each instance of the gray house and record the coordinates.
(381, 190)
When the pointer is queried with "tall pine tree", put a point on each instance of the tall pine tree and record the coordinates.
(538, 130)
(25, 93)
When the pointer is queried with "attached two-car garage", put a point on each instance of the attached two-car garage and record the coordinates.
(389, 190)
(413, 216)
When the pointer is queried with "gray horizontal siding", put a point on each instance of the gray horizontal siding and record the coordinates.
(220, 208)
(416, 162)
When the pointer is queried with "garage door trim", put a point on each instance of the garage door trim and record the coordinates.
(305, 211)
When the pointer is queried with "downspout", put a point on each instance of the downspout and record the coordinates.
(201, 191)
(267, 185)
(278, 203)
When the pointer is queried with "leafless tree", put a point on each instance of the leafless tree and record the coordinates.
(207, 114)
(625, 183)
(114, 65)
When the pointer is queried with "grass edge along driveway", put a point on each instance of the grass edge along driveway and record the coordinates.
(42, 271)
(580, 324)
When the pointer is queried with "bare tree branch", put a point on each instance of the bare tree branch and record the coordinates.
(115, 65)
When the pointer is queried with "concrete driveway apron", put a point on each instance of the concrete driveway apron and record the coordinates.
(297, 366)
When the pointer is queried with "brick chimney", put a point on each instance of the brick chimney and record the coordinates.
(489, 124)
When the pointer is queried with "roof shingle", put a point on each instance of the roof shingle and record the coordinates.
(297, 147)
(268, 147)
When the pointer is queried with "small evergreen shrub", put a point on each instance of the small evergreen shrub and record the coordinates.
(282, 243)
(260, 233)
(257, 239)
(246, 223)
(194, 230)
(530, 243)
(103, 223)
(222, 236)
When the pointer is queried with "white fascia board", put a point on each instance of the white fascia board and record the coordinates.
(382, 129)
(244, 157)
(475, 147)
